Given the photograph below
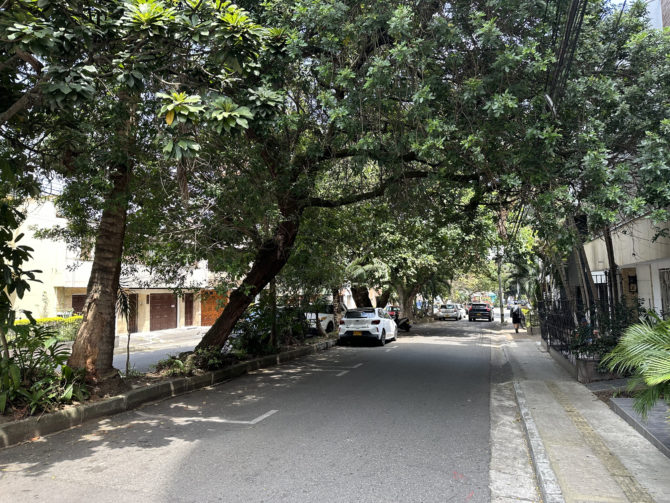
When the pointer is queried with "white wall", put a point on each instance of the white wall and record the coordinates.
(632, 243)
(48, 256)
(655, 13)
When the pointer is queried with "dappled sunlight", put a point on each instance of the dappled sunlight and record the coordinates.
(440, 340)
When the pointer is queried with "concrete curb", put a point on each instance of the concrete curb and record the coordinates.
(38, 426)
(546, 478)
(639, 426)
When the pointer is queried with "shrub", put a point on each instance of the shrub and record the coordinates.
(644, 350)
(186, 363)
(36, 377)
(66, 328)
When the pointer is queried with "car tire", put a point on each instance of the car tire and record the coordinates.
(471, 319)
(329, 328)
(382, 339)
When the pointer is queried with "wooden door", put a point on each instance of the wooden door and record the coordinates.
(162, 311)
(211, 306)
(188, 309)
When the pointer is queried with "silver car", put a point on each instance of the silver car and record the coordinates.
(448, 312)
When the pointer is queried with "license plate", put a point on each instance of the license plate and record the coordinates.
(358, 333)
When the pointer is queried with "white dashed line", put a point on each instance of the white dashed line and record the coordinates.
(342, 373)
(357, 365)
(205, 419)
(264, 416)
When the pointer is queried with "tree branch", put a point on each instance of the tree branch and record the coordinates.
(23, 102)
(318, 202)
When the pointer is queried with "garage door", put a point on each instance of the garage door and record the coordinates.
(162, 311)
(211, 306)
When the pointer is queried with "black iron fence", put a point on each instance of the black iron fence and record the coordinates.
(584, 333)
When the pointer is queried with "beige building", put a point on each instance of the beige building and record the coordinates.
(644, 263)
(659, 13)
(65, 275)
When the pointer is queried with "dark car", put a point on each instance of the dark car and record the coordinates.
(480, 311)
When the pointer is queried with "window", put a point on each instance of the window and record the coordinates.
(359, 314)
(664, 277)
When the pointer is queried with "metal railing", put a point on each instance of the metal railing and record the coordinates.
(582, 333)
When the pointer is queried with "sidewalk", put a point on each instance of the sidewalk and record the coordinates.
(582, 450)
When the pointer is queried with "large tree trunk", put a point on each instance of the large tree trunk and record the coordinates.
(93, 347)
(361, 296)
(270, 258)
(406, 296)
(500, 293)
(383, 299)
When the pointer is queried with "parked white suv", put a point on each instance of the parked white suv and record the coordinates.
(326, 319)
(367, 323)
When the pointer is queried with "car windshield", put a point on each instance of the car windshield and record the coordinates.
(450, 306)
(359, 314)
(479, 306)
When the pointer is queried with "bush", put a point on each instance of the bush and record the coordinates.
(644, 350)
(66, 328)
(252, 334)
(36, 377)
(186, 363)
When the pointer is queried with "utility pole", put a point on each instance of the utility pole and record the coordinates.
(500, 296)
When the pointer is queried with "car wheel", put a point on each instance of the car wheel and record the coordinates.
(471, 319)
(329, 328)
(382, 340)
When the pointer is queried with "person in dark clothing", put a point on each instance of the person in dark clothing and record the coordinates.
(516, 316)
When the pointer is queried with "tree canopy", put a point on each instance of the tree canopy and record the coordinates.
(299, 137)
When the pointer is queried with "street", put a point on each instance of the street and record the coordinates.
(407, 422)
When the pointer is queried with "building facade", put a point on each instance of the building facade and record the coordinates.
(643, 258)
(65, 273)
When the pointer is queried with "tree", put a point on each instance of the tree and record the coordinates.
(378, 95)
(102, 67)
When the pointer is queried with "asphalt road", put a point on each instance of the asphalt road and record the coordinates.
(409, 422)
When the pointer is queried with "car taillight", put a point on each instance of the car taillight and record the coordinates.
(375, 322)
(488, 308)
(341, 322)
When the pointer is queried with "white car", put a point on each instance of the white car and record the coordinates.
(461, 309)
(367, 323)
(326, 319)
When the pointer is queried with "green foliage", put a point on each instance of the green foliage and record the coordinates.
(606, 329)
(65, 328)
(200, 359)
(253, 332)
(36, 376)
(644, 351)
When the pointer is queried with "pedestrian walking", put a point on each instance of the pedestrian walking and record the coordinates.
(516, 316)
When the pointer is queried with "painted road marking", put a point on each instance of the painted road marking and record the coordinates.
(205, 419)
(357, 365)
(342, 373)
